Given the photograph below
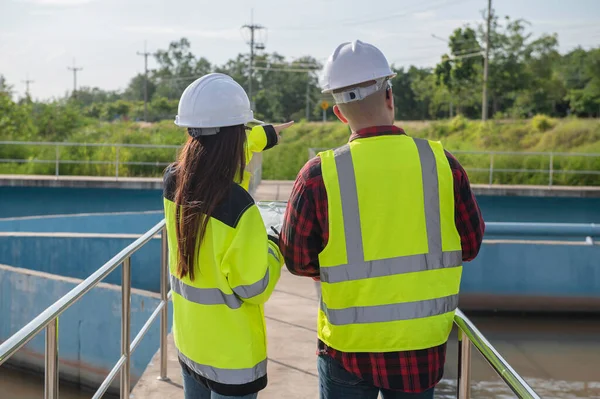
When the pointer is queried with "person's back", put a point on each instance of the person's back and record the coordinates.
(223, 266)
(380, 222)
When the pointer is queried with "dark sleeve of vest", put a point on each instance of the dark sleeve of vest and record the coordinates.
(271, 136)
(169, 180)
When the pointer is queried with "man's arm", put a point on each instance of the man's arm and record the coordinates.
(305, 227)
(467, 215)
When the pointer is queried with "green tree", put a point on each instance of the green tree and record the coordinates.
(5, 88)
(580, 71)
(178, 67)
(135, 89)
(460, 72)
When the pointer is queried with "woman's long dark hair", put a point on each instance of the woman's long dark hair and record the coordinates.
(205, 172)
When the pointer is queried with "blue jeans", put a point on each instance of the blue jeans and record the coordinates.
(192, 389)
(337, 383)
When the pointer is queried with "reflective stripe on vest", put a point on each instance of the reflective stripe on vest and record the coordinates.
(214, 296)
(225, 376)
(357, 268)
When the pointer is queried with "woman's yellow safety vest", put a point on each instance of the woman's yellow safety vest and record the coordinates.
(391, 269)
(218, 318)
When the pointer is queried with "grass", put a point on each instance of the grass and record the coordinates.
(540, 134)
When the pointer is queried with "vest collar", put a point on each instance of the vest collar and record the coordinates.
(376, 131)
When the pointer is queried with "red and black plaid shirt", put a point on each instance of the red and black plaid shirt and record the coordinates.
(304, 235)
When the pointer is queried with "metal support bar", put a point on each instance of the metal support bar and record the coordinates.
(551, 170)
(464, 366)
(117, 163)
(51, 361)
(164, 314)
(125, 326)
(57, 162)
(109, 379)
(491, 168)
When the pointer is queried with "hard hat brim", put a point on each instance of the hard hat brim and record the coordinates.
(255, 122)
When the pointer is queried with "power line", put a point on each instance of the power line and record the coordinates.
(253, 46)
(287, 69)
(75, 69)
(403, 13)
(145, 54)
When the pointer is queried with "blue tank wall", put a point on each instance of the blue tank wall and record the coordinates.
(540, 209)
(31, 201)
(89, 331)
(526, 269)
(100, 223)
(79, 257)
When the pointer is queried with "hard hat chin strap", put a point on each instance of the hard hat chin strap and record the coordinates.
(359, 93)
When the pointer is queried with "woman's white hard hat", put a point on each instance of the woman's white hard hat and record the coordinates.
(351, 64)
(213, 101)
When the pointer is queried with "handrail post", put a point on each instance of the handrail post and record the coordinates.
(464, 366)
(491, 168)
(117, 162)
(51, 361)
(164, 314)
(125, 326)
(57, 162)
(551, 171)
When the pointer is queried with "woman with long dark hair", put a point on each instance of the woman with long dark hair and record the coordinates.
(223, 264)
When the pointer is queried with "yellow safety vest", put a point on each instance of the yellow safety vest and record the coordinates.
(391, 269)
(218, 319)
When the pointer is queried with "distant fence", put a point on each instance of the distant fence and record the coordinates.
(147, 160)
(85, 159)
(505, 167)
(95, 159)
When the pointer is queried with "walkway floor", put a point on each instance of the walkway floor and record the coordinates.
(274, 190)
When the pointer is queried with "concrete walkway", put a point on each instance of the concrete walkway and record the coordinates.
(274, 190)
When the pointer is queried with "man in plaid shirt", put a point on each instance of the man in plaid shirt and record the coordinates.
(306, 232)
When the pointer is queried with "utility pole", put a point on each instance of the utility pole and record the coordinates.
(27, 82)
(253, 46)
(75, 69)
(484, 102)
(145, 54)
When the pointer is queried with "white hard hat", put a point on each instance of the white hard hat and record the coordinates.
(213, 101)
(351, 64)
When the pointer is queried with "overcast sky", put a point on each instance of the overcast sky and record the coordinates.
(40, 38)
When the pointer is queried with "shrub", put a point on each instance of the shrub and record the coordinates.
(542, 123)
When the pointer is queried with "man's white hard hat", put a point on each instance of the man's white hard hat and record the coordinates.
(351, 64)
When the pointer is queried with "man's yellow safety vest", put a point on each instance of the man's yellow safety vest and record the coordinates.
(218, 318)
(390, 272)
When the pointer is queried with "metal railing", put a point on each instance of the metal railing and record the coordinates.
(468, 336)
(48, 320)
(493, 156)
(116, 162)
(254, 167)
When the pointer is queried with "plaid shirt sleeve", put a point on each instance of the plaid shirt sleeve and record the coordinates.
(467, 215)
(305, 228)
